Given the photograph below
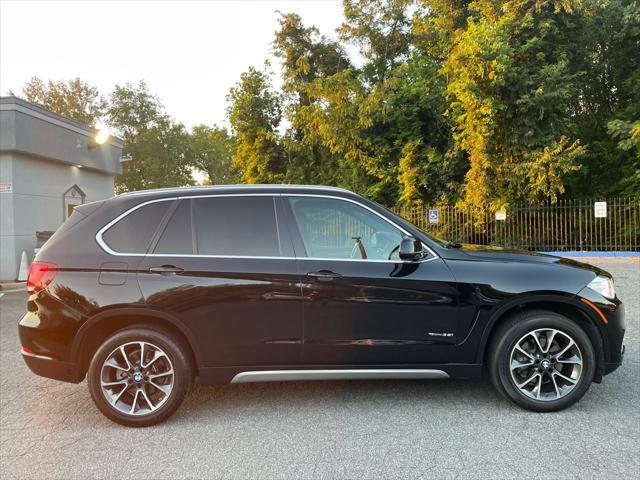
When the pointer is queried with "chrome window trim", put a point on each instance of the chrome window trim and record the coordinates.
(338, 374)
(112, 252)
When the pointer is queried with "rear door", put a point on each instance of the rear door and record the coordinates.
(362, 304)
(224, 266)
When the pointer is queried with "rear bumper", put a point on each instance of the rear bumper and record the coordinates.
(50, 367)
(46, 339)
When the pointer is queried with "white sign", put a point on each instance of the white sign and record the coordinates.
(6, 187)
(433, 216)
(600, 209)
(501, 215)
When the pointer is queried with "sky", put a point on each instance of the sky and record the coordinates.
(190, 53)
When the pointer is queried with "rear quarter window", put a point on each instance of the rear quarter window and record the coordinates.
(134, 232)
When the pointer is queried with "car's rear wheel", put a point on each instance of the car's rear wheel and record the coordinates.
(542, 361)
(139, 376)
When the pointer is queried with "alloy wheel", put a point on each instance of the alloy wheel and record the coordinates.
(137, 378)
(545, 364)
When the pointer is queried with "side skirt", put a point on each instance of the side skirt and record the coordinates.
(357, 374)
(280, 373)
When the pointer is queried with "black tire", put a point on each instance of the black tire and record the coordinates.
(180, 362)
(517, 327)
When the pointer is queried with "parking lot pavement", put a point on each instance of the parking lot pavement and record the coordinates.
(366, 429)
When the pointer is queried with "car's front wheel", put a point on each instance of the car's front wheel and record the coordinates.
(542, 361)
(139, 376)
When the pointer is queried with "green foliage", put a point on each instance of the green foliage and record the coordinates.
(628, 136)
(510, 85)
(74, 98)
(352, 126)
(211, 151)
(255, 111)
(156, 146)
(607, 63)
(306, 57)
(539, 175)
(382, 31)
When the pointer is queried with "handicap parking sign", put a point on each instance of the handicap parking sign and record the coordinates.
(433, 216)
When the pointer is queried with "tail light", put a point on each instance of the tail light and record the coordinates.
(40, 275)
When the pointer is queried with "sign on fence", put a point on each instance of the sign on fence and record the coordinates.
(501, 215)
(433, 216)
(600, 209)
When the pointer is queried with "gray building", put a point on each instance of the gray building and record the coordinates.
(48, 165)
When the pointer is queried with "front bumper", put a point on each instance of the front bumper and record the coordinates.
(609, 318)
(613, 366)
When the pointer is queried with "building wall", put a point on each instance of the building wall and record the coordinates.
(30, 129)
(36, 202)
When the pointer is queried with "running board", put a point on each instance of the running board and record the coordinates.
(353, 374)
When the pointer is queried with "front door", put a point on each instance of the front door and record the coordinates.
(224, 267)
(362, 304)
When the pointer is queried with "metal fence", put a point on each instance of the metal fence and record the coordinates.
(568, 225)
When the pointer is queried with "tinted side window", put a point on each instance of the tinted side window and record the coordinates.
(176, 238)
(337, 229)
(133, 233)
(236, 225)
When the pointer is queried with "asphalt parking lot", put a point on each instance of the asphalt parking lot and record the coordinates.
(372, 429)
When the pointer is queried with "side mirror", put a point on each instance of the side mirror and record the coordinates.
(410, 249)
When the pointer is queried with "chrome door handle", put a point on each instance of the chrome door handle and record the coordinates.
(166, 270)
(324, 275)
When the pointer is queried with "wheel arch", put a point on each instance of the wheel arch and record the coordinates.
(569, 307)
(98, 327)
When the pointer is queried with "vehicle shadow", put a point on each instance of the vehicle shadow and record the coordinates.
(364, 394)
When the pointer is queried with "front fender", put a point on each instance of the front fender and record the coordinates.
(559, 302)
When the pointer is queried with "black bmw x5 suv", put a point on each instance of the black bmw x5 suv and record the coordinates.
(146, 291)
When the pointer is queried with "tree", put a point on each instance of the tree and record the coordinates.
(255, 111)
(511, 85)
(607, 62)
(158, 149)
(306, 56)
(628, 135)
(74, 98)
(533, 86)
(385, 119)
(211, 151)
(382, 31)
